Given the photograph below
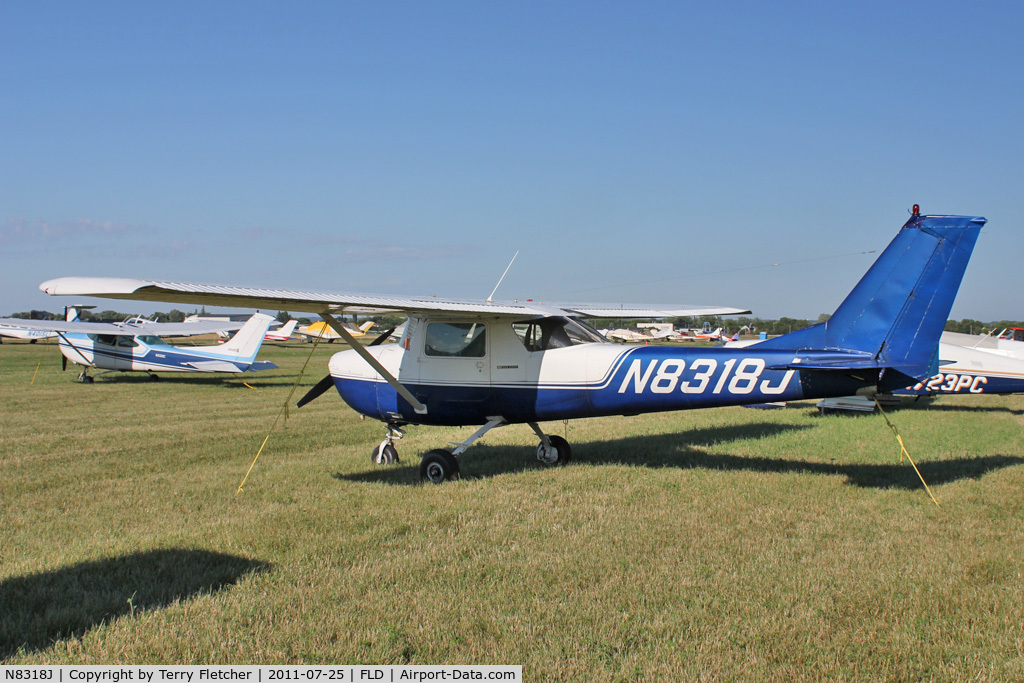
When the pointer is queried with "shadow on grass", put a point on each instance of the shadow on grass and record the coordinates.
(682, 450)
(40, 609)
(927, 404)
(950, 408)
(225, 380)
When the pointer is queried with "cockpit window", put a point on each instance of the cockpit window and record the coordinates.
(106, 339)
(544, 334)
(461, 340)
(150, 340)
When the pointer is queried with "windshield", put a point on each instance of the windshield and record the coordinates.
(150, 340)
(554, 333)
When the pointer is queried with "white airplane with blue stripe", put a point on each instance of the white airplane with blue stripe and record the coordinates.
(136, 346)
(20, 332)
(487, 363)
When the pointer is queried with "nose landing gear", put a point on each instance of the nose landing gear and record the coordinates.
(385, 453)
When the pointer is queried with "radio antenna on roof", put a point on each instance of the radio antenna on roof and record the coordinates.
(490, 299)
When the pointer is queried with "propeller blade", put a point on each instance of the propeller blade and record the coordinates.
(383, 337)
(63, 362)
(314, 393)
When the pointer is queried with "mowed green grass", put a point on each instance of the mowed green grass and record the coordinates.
(717, 545)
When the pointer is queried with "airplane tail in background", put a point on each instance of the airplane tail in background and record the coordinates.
(73, 313)
(284, 332)
(247, 341)
(365, 327)
(894, 316)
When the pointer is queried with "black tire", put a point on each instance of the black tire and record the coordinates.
(563, 451)
(438, 467)
(384, 456)
(563, 447)
(87, 380)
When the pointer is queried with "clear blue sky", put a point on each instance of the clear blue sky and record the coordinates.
(413, 147)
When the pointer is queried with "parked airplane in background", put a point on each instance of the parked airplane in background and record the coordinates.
(1013, 334)
(716, 335)
(123, 347)
(1009, 342)
(19, 332)
(671, 336)
(284, 333)
(965, 370)
(962, 369)
(626, 336)
(322, 331)
(490, 363)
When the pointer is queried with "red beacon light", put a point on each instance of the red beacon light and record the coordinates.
(916, 210)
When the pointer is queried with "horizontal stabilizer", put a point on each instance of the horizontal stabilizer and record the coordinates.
(852, 364)
(214, 366)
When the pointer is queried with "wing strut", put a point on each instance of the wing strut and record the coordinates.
(374, 363)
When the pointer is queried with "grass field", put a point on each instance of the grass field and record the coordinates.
(718, 545)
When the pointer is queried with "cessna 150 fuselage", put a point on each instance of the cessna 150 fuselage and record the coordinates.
(485, 363)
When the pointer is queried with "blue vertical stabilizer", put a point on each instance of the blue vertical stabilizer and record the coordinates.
(896, 313)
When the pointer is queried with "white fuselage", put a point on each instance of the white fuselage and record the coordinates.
(144, 354)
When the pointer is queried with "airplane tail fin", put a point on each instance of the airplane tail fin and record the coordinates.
(894, 316)
(247, 341)
(73, 313)
(287, 329)
(365, 327)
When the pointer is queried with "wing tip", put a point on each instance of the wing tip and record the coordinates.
(85, 286)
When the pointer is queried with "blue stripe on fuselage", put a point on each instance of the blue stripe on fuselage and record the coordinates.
(650, 379)
(165, 357)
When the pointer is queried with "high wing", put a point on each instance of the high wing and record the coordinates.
(648, 311)
(156, 329)
(349, 302)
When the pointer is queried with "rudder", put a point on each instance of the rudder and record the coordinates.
(247, 341)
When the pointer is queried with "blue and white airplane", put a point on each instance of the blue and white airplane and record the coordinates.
(20, 332)
(486, 363)
(135, 346)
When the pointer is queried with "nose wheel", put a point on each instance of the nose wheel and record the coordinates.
(385, 453)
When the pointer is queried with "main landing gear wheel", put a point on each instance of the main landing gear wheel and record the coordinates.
(559, 452)
(438, 467)
(384, 454)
